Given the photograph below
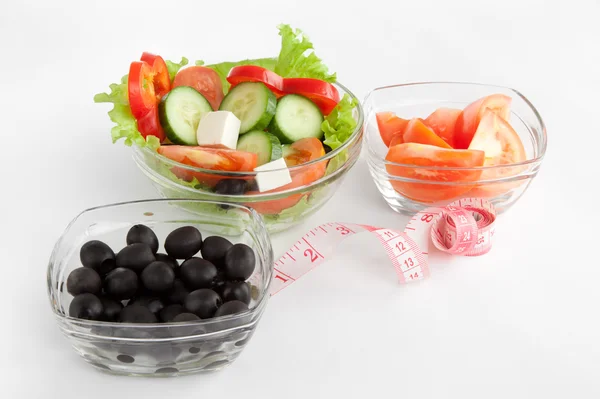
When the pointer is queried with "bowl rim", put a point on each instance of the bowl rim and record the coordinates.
(536, 160)
(328, 156)
(276, 194)
(264, 243)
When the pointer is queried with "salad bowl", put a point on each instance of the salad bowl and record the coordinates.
(435, 164)
(277, 134)
(280, 210)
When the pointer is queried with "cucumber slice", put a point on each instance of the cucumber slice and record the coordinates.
(266, 145)
(296, 118)
(286, 150)
(180, 112)
(253, 104)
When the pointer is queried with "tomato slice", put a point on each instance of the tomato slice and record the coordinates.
(208, 158)
(428, 155)
(443, 121)
(203, 79)
(252, 73)
(468, 120)
(322, 93)
(161, 79)
(211, 158)
(417, 132)
(502, 146)
(389, 125)
(140, 89)
(305, 150)
(149, 125)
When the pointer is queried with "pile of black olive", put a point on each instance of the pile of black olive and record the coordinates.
(141, 285)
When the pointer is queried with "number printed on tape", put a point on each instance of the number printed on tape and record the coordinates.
(408, 250)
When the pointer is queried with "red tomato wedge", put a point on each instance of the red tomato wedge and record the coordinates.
(204, 80)
(161, 79)
(208, 158)
(322, 93)
(428, 155)
(443, 121)
(305, 150)
(417, 132)
(389, 125)
(252, 73)
(149, 125)
(468, 120)
(140, 89)
(502, 146)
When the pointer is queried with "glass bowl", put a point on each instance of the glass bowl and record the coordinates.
(501, 185)
(158, 349)
(281, 209)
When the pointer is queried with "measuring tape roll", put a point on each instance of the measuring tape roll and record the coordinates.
(465, 227)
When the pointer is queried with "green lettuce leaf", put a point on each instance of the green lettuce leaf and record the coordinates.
(306, 206)
(174, 67)
(297, 58)
(125, 124)
(339, 125)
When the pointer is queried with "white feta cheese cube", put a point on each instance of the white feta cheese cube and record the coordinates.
(268, 178)
(218, 128)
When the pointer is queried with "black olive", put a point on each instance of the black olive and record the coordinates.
(219, 283)
(176, 294)
(86, 306)
(169, 260)
(184, 242)
(142, 234)
(236, 290)
(197, 273)
(231, 187)
(203, 303)
(154, 304)
(252, 185)
(135, 257)
(231, 307)
(214, 249)
(185, 317)
(82, 280)
(121, 283)
(111, 309)
(169, 312)
(239, 262)
(137, 314)
(158, 277)
(98, 256)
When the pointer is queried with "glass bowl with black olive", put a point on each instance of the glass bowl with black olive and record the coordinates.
(143, 288)
(316, 174)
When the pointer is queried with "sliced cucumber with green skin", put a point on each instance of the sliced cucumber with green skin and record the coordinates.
(265, 145)
(287, 150)
(180, 112)
(296, 118)
(253, 104)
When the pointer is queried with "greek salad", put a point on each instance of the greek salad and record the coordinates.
(478, 135)
(263, 115)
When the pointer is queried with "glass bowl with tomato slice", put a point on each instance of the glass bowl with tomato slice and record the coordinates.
(432, 143)
(224, 175)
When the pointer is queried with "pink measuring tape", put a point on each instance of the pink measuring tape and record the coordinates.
(464, 227)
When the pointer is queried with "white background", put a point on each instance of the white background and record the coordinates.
(521, 321)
